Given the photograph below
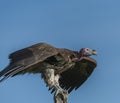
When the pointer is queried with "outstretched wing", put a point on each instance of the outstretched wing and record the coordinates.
(28, 60)
(73, 78)
(31, 59)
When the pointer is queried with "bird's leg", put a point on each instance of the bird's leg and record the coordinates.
(52, 80)
(49, 76)
(61, 95)
(56, 80)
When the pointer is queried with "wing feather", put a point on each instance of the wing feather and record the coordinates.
(75, 77)
(28, 60)
(9, 73)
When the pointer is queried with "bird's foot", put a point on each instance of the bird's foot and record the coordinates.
(62, 91)
(59, 90)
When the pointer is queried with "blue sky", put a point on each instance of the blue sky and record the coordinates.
(71, 24)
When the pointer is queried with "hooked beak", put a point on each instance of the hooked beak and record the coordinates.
(94, 52)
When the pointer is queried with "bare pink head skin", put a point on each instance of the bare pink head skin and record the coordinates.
(86, 52)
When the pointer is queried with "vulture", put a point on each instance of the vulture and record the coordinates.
(61, 69)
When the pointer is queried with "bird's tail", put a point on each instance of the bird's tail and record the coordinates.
(9, 72)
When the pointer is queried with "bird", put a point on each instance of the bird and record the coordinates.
(62, 69)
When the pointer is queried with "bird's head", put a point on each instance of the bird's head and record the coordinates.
(85, 52)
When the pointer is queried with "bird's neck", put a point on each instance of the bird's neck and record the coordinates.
(80, 55)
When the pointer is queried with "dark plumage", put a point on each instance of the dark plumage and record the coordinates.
(72, 68)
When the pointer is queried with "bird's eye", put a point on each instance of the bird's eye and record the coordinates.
(87, 49)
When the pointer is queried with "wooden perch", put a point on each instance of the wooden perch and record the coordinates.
(61, 97)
